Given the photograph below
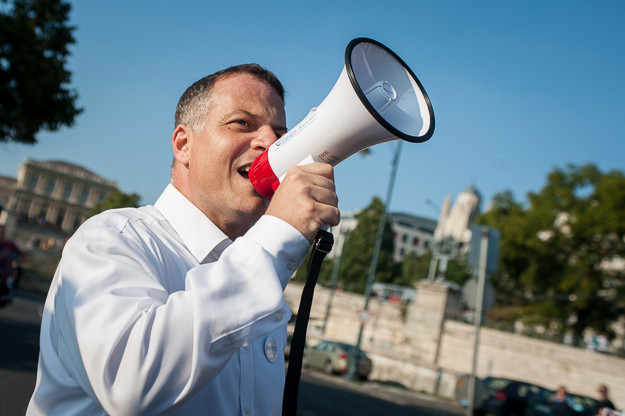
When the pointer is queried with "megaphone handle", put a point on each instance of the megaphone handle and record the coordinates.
(322, 245)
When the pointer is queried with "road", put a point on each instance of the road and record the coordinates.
(319, 394)
(323, 395)
(19, 348)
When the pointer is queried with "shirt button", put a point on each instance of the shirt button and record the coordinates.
(277, 318)
(292, 267)
(247, 410)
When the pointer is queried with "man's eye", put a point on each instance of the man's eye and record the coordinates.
(242, 122)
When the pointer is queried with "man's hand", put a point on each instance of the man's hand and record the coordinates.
(306, 199)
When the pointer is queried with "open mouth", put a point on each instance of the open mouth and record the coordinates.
(244, 171)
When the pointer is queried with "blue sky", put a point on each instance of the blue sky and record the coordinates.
(518, 87)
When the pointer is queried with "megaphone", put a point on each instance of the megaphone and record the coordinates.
(376, 99)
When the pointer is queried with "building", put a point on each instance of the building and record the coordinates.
(7, 186)
(411, 234)
(49, 199)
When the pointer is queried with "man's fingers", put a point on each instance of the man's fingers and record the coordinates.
(307, 199)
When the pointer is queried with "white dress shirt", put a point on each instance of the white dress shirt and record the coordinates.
(154, 310)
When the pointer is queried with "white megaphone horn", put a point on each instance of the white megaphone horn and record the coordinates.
(376, 99)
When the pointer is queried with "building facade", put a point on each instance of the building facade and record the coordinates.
(7, 186)
(53, 196)
(411, 234)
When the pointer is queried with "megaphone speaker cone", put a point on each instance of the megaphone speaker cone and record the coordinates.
(377, 98)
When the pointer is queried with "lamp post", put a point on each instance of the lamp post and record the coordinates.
(434, 259)
(353, 359)
(334, 279)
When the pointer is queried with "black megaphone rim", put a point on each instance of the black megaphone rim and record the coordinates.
(361, 95)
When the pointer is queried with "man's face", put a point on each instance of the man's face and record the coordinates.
(246, 117)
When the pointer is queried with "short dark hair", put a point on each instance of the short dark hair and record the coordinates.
(195, 102)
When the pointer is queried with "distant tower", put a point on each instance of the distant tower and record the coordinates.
(456, 223)
(453, 233)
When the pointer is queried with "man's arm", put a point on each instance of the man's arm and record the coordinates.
(137, 348)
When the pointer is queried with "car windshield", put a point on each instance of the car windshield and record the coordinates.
(545, 394)
(497, 383)
(581, 402)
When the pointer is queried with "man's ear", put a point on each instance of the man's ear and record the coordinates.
(181, 141)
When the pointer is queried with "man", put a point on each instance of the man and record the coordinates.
(178, 308)
(604, 400)
(561, 402)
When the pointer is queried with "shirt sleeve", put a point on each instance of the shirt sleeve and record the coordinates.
(136, 347)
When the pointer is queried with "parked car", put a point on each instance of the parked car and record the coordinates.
(539, 405)
(506, 397)
(333, 357)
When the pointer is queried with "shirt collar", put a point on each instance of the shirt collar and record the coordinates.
(197, 231)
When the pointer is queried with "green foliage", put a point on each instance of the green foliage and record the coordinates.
(457, 272)
(325, 274)
(358, 250)
(117, 199)
(34, 40)
(413, 269)
(555, 251)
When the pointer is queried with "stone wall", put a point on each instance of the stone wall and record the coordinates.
(418, 347)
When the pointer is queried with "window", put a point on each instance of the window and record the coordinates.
(42, 213)
(59, 218)
(50, 186)
(32, 182)
(84, 195)
(67, 191)
(77, 221)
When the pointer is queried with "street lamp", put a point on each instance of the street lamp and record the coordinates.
(333, 281)
(353, 359)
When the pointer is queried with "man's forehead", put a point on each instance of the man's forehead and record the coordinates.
(245, 94)
(243, 82)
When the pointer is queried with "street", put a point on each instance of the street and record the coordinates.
(19, 348)
(323, 395)
(319, 394)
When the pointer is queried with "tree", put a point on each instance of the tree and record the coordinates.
(117, 199)
(325, 273)
(34, 40)
(358, 250)
(559, 256)
(413, 269)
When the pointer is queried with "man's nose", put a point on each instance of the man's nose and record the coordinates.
(264, 138)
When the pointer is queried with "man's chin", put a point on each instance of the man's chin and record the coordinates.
(254, 206)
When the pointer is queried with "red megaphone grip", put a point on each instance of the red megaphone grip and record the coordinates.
(263, 177)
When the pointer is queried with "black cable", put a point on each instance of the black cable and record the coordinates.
(322, 245)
